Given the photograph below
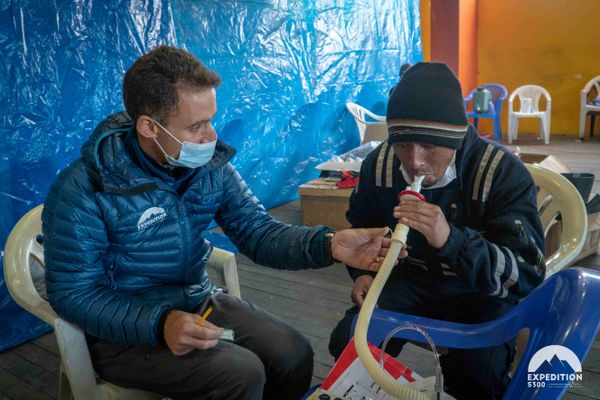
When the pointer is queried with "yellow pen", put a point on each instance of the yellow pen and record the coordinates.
(204, 316)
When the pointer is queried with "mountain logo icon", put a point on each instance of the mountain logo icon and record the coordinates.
(150, 217)
(557, 358)
(555, 365)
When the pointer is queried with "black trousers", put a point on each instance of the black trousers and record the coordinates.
(468, 374)
(269, 360)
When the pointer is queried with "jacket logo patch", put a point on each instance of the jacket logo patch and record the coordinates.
(150, 217)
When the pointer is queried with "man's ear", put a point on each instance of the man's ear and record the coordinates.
(146, 127)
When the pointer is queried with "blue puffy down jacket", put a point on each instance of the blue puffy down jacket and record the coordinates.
(122, 247)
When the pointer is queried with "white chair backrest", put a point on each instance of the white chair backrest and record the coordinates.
(529, 98)
(557, 196)
(368, 130)
(592, 83)
(592, 87)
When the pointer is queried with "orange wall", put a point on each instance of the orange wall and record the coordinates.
(444, 32)
(467, 45)
(551, 43)
(453, 30)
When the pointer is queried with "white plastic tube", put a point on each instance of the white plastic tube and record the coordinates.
(380, 376)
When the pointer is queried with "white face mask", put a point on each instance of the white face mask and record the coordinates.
(191, 155)
(448, 177)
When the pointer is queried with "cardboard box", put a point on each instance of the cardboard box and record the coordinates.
(547, 161)
(324, 205)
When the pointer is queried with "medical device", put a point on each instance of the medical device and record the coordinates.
(380, 376)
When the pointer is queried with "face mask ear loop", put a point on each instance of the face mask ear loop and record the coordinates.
(161, 149)
(168, 133)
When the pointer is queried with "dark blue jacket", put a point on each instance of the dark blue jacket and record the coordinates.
(496, 241)
(122, 247)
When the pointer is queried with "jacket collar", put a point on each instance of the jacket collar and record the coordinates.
(112, 167)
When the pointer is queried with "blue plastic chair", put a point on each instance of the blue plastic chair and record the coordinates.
(563, 310)
(499, 94)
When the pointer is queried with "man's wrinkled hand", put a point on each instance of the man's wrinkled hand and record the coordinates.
(361, 248)
(183, 334)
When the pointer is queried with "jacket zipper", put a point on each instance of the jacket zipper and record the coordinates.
(183, 223)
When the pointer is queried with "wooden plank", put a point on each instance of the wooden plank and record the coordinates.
(15, 388)
(39, 356)
(338, 283)
(296, 308)
(30, 373)
(590, 385)
(47, 342)
(4, 397)
(294, 315)
(574, 396)
(312, 293)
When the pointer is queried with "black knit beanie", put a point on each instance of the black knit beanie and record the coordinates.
(427, 107)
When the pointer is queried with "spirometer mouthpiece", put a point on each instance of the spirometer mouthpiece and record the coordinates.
(411, 193)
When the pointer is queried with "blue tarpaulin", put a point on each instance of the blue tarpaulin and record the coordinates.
(288, 68)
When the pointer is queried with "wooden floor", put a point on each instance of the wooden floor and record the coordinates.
(312, 301)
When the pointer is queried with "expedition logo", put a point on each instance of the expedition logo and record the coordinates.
(555, 367)
(150, 217)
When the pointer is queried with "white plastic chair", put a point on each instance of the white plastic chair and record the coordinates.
(587, 106)
(368, 130)
(529, 98)
(556, 196)
(23, 255)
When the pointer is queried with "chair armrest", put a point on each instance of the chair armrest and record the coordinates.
(17, 273)
(443, 333)
(223, 262)
(374, 116)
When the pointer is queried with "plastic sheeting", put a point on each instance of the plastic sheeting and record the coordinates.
(288, 68)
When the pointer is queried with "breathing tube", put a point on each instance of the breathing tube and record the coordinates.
(379, 375)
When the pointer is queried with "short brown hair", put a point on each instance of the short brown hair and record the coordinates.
(151, 83)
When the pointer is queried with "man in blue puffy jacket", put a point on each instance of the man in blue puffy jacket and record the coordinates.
(125, 256)
(476, 243)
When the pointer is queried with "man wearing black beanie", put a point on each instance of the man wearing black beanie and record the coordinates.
(476, 243)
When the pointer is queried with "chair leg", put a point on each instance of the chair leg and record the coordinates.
(547, 129)
(497, 128)
(543, 131)
(582, 117)
(515, 128)
(592, 120)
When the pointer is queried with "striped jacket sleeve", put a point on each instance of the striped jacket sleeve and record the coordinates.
(364, 210)
(506, 256)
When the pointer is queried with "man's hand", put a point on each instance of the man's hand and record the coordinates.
(426, 218)
(361, 248)
(182, 335)
(361, 288)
